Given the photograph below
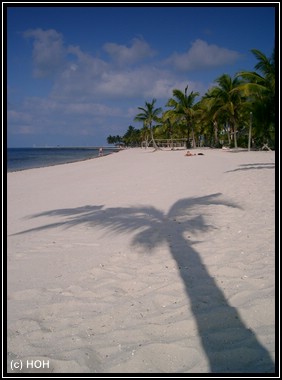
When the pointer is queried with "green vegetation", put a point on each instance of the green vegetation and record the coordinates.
(236, 112)
(148, 115)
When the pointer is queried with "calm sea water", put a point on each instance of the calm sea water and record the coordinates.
(28, 158)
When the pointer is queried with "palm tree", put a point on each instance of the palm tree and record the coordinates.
(132, 137)
(206, 109)
(110, 139)
(261, 83)
(144, 134)
(260, 88)
(183, 109)
(152, 228)
(149, 115)
(114, 139)
(167, 125)
(228, 101)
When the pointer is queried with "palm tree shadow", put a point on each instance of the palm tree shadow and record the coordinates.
(229, 345)
(256, 166)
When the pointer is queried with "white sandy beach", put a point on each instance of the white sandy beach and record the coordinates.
(142, 262)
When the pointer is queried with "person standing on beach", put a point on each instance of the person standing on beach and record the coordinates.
(100, 152)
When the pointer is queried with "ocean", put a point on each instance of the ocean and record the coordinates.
(28, 158)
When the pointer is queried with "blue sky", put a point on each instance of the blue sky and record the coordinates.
(77, 74)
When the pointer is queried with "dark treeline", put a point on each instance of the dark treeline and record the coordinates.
(238, 111)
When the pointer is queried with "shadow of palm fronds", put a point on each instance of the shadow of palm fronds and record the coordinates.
(229, 345)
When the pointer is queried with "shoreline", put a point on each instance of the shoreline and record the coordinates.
(117, 150)
(43, 165)
(62, 163)
(144, 263)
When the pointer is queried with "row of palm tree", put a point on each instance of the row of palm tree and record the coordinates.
(236, 111)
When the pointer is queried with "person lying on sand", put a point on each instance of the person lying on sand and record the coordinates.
(190, 154)
(193, 154)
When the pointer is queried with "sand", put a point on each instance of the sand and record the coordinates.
(143, 262)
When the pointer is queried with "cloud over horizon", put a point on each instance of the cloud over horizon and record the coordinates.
(202, 55)
(48, 51)
(84, 75)
(102, 89)
(124, 55)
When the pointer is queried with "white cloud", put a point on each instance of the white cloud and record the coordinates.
(91, 109)
(82, 77)
(16, 116)
(124, 55)
(40, 115)
(91, 94)
(163, 87)
(93, 65)
(48, 51)
(25, 130)
(46, 108)
(202, 55)
(91, 81)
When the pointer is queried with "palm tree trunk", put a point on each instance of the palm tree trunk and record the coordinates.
(235, 136)
(215, 133)
(193, 138)
(188, 145)
(153, 140)
(228, 134)
(250, 131)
